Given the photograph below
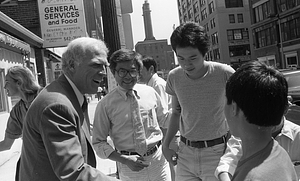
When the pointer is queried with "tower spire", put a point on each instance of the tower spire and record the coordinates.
(147, 21)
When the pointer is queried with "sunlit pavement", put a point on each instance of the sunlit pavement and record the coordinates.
(8, 159)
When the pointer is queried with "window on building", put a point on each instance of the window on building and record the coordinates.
(233, 3)
(231, 18)
(266, 9)
(190, 13)
(206, 27)
(210, 55)
(185, 18)
(207, 57)
(183, 7)
(265, 36)
(262, 11)
(2, 92)
(292, 61)
(215, 39)
(238, 34)
(212, 23)
(240, 18)
(282, 5)
(202, 3)
(245, 33)
(196, 7)
(292, 3)
(291, 28)
(203, 14)
(211, 7)
(197, 19)
(239, 50)
(216, 54)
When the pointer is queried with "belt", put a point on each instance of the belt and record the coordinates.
(149, 152)
(204, 144)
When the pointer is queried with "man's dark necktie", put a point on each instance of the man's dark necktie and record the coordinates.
(84, 108)
(90, 157)
(84, 105)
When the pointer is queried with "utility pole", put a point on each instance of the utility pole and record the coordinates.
(281, 43)
(112, 25)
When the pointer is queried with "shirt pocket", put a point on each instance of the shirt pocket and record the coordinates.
(149, 117)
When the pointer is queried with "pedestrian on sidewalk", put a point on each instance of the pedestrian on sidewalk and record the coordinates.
(197, 87)
(256, 101)
(21, 83)
(150, 77)
(56, 135)
(131, 114)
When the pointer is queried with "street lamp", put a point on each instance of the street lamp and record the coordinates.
(281, 44)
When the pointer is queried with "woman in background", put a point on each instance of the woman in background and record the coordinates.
(19, 82)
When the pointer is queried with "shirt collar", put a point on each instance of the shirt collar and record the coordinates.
(287, 130)
(123, 92)
(151, 80)
(77, 92)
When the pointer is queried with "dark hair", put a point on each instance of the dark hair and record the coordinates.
(190, 34)
(260, 91)
(148, 62)
(125, 55)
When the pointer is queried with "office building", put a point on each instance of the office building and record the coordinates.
(227, 23)
(276, 32)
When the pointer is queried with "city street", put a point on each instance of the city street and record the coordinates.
(8, 159)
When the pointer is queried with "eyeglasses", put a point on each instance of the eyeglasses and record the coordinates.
(123, 72)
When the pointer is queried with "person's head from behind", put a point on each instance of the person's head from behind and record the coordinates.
(258, 91)
(84, 62)
(149, 68)
(126, 67)
(19, 81)
(190, 43)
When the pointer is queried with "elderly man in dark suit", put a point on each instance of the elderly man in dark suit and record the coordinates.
(56, 137)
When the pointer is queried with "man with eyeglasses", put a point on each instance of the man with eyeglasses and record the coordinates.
(138, 153)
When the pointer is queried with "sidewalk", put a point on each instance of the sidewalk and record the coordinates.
(8, 159)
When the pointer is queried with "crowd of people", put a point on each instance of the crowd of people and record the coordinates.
(206, 122)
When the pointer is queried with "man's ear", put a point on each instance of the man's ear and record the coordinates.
(72, 67)
(234, 109)
(151, 69)
(287, 108)
(18, 83)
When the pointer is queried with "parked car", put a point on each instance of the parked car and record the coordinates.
(293, 114)
(293, 79)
